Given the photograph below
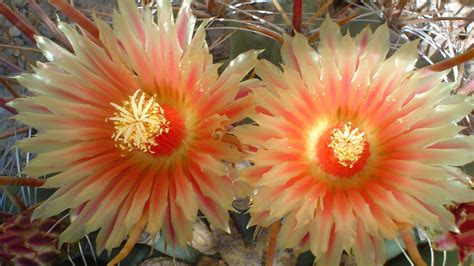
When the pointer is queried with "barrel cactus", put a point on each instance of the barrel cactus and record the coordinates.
(26, 242)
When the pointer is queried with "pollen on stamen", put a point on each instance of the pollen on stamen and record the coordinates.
(342, 150)
(138, 122)
(347, 144)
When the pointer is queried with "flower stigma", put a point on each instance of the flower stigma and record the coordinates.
(138, 122)
(342, 150)
(347, 144)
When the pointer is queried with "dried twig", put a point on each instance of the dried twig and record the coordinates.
(76, 16)
(267, 32)
(426, 20)
(132, 240)
(297, 14)
(14, 68)
(19, 22)
(3, 104)
(20, 48)
(271, 250)
(211, 6)
(412, 248)
(320, 11)
(15, 199)
(95, 12)
(50, 24)
(282, 12)
(21, 181)
(22, 51)
(10, 88)
(220, 40)
(401, 5)
(452, 62)
(11, 132)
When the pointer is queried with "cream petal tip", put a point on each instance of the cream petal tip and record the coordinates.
(408, 51)
(10, 104)
(329, 29)
(38, 213)
(227, 229)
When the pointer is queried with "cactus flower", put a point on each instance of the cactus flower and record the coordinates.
(133, 127)
(351, 145)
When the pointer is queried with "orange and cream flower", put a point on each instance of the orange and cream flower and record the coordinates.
(351, 145)
(134, 126)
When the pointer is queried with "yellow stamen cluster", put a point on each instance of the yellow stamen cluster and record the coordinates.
(138, 122)
(347, 144)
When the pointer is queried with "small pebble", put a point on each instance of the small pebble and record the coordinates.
(241, 204)
(162, 262)
(203, 239)
(208, 261)
(14, 31)
(21, 64)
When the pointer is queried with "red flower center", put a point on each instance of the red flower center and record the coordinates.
(169, 141)
(342, 150)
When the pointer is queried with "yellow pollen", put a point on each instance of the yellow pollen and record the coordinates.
(138, 122)
(347, 144)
